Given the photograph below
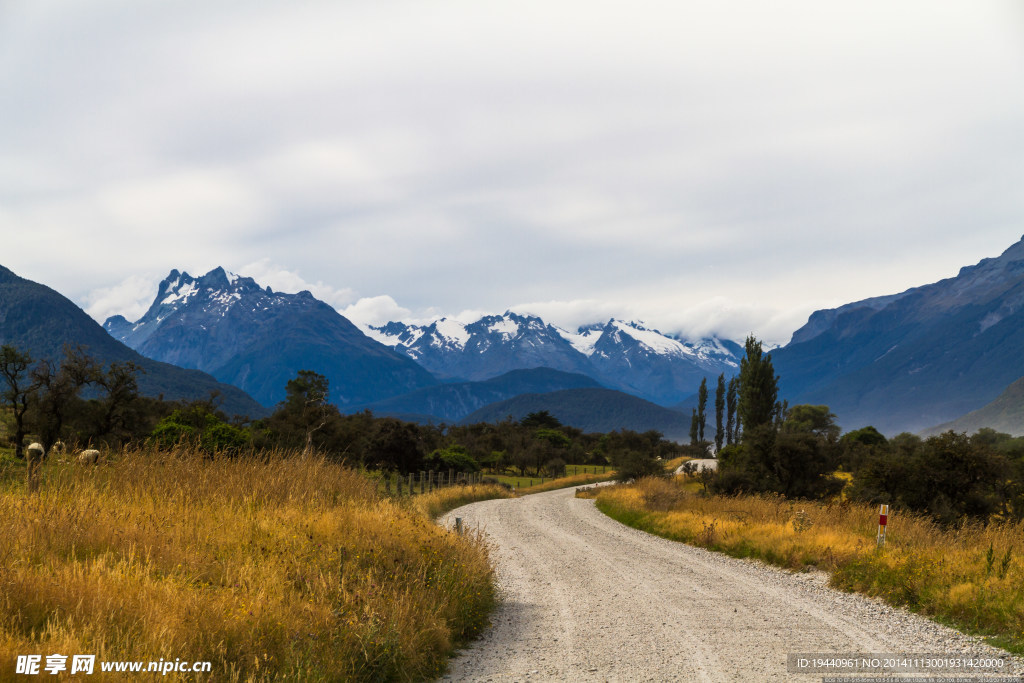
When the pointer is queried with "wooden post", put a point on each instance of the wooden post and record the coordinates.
(411, 491)
(451, 473)
(423, 481)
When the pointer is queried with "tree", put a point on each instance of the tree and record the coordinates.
(541, 418)
(758, 387)
(731, 426)
(702, 409)
(394, 446)
(122, 389)
(17, 386)
(632, 464)
(201, 426)
(719, 409)
(694, 428)
(57, 390)
(306, 400)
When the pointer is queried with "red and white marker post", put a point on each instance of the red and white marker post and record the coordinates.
(883, 518)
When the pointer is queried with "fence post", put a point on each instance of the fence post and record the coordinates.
(450, 474)
(423, 481)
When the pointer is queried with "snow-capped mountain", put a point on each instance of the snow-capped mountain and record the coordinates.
(489, 347)
(258, 339)
(622, 355)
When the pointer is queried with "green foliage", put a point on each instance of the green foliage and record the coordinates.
(199, 426)
(453, 457)
(758, 387)
(796, 460)
(632, 465)
(539, 419)
(948, 476)
(702, 409)
(554, 437)
(719, 412)
(731, 421)
(694, 428)
(16, 388)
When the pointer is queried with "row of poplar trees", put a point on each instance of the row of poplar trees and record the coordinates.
(746, 400)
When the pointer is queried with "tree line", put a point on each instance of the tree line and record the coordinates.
(78, 401)
(799, 452)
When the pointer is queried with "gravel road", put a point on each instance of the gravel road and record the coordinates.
(585, 598)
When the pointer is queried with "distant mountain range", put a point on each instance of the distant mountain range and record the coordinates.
(1004, 414)
(453, 402)
(39, 320)
(916, 359)
(258, 339)
(592, 410)
(617, 354)
(903, 362)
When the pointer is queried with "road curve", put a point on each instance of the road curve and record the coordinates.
(585, 598)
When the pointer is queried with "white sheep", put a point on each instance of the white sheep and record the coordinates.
(89, 457)
(35, 452)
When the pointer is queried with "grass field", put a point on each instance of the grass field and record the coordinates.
(274, 568)
(970, 576)
(594, 472)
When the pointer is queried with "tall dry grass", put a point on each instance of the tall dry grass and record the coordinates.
(971, 575)
(273, 568)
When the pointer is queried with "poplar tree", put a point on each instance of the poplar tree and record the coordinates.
(693, 428)
(731, 427)
(702, 409)
(759, 387)
(719, 408)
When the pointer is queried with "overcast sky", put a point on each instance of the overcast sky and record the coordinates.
(707, 167)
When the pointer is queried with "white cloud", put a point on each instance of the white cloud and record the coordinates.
(131, 298)
(376, 310)
(590, 157)
(279, 279)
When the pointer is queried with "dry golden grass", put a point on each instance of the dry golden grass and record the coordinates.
(971, 576)
(272, 568)
(440, 501)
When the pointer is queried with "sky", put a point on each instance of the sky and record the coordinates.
(720, 167)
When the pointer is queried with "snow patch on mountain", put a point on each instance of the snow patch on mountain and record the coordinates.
(505, 327)
(583, 340)
(450, 332)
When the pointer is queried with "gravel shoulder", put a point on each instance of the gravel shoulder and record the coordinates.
(585, 598)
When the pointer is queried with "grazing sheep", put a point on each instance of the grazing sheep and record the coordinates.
(89, 457)
(58, 448)
(35, 451)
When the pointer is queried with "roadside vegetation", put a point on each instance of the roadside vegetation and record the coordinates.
(276, 566)
(790, 490)
(969, 574)
(276, 548)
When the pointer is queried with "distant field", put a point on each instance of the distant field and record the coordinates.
(595, 472)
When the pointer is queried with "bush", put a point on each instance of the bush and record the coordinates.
(631, 465)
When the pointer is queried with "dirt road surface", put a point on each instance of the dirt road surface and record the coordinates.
(585, 598)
